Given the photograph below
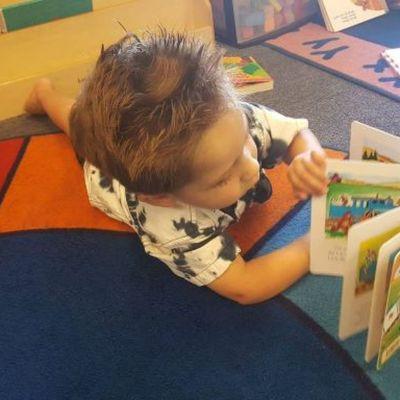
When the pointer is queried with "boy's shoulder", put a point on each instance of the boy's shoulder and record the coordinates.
(258, 117)
(164, 226)
(174, 226)
(255, 110)
(258, 126)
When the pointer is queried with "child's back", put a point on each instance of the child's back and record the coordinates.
(171, 151)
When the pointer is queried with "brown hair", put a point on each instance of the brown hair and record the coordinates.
(143, 109)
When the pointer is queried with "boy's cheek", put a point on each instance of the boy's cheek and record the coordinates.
(252, 147)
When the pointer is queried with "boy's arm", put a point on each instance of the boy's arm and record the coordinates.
(44, 99)
(304, 141)
(266, 276)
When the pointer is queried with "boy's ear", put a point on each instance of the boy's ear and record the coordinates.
(161, 200)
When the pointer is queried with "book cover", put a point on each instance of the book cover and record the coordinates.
(357, 191)
(247, 74)
(365, 241)
(342, 14)
(390, 338)
(332, 215)
(355, 233)
(379, 324)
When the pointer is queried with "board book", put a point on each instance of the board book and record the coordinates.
(355, 234)
(247, 74)
(342, 14)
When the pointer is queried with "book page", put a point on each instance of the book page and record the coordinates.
(386, 257)
(364, 242)
(390, 341)
(372, 144)
(358, 190)
(343, 14)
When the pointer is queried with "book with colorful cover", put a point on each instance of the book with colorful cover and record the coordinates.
(247, 74)
(355, 234)
(342, 14)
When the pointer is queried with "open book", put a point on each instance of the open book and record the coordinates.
(355, 233)
(342, 14)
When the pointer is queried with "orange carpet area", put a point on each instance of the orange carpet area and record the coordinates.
(42, 187)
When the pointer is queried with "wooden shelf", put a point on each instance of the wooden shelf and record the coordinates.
(65, 50)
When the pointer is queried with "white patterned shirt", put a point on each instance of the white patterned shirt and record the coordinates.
(193, 241)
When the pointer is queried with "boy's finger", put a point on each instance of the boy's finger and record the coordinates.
(318, 158)
(315, 170)
(302, 181)
(301, 195)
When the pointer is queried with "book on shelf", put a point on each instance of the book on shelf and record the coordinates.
(342, 14)
(392, 56)
(247, 74)
(355, 234)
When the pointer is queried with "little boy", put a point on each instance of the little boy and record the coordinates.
(168, 148)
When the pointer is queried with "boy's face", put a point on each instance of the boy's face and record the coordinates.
(225, 164)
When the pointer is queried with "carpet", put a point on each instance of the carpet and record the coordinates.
(354, 54)
(37, 174)
(86, 314)
(339, 103)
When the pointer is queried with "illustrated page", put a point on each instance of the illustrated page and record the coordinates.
(357, 191)
(386, 257)
(364, 242)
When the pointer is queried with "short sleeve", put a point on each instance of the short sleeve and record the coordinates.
(199, 263)
(272, 132)
(105, 194)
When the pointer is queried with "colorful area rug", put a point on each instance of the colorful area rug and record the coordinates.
(350, 54)
(86, 314)
(41, 187)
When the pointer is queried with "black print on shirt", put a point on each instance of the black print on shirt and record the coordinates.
(106, 184)
(228, 250)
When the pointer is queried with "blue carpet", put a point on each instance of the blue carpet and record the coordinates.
(87, 315)
(319, 297)
(384, 30)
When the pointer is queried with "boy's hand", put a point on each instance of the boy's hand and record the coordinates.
(306, 173)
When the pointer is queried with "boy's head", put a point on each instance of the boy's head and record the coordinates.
(145, 110)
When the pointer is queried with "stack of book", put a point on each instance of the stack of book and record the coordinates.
(247, 75)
